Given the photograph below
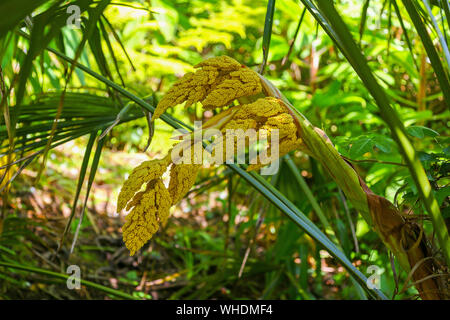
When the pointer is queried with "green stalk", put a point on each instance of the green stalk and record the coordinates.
(267, 33)
(439, 33)
(312, 200)
(355, 57)
(287, 207)
(315, 205)
(94, 285)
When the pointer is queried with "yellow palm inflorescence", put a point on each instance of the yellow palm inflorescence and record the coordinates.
(144, 173)
(218, 82)
(265, 115)
(150, 209)
(182, 177)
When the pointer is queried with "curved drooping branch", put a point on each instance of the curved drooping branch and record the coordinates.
(218, 82)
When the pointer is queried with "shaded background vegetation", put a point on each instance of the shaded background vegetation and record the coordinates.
(223, 240)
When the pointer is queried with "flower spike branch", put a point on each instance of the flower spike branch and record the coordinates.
(216, 84)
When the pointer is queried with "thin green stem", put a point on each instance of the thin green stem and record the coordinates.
(305, 188)
(94, 285)
(392, 119)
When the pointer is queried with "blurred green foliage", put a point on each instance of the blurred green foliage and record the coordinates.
(224, 240)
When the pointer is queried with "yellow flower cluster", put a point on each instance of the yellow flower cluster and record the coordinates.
(150, 207)
(218, 82)
(144, 173)
(265, 115)
(182, 177)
